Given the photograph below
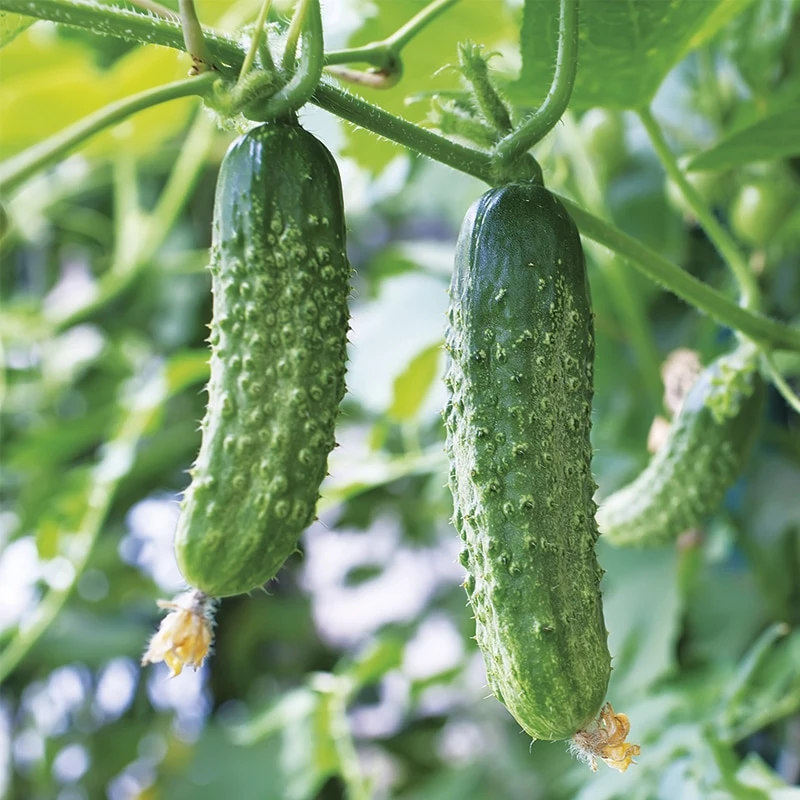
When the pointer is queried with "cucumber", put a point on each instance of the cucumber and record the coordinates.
(703, 455)
(280, 281)
(521, 343)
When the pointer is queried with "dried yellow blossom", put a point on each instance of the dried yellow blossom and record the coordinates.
(605, 739)
(184, 636)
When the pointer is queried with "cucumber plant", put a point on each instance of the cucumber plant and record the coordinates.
(521, 339)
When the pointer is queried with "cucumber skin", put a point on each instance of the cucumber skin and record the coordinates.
(707, 446)
(280, 283)
(521, 342)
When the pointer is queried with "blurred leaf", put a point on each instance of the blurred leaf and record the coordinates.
(412, 302)
(91, 639)
(187, 368)
(57, 441)
(626, 49)
(57, 514)
(217, 768)
(285, 711)
(765, 687)
(640, 208)
(770, 139)
(758, 58)
(72, 87)
(771, 533)
(303, 719)
(642, 610)
(724, 614)
(366, 473)
(381, 656)
(412, 386)
(754, 772)
(12, 25)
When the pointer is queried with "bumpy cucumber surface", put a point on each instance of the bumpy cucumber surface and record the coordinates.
(521, 342)
(703, 455)
(280, 281)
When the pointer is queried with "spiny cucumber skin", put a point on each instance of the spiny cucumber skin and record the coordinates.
(521, 344)
(280, 282)
(701, 459)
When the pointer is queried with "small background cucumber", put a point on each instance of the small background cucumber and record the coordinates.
(278, 336)
(703, 455)
(521, 342)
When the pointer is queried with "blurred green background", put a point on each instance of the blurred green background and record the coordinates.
(358, 660)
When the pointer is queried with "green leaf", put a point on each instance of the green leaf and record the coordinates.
(754, 772)
(365, 473)
(380, 656)
(411, 386)
(285, 711)
(642, 610)
(214, 767)
(12, 25)
(774, 137)
(303, 719)
(758, 58)
(412, 303)
(41, 99)
(626, 49)
(765, 687)
(185, 369)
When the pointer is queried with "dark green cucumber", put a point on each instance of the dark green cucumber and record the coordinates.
(521, 343)
(278, 336)
(703, 455)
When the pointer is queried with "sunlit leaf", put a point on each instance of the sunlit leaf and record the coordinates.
(352, 479)
(12, 25)
(764, 688)
(73, 87)
(411, 302)
(380, 656)
(185, 369)
(412, 386)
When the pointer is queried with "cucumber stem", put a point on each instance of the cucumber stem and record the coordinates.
(538, 125)
(193, 37)
(720, 238)
(764, 330)
(309, 70)
(786, 391)
(385, 54)
(255, 43)
(475, 69)
(293, 36)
